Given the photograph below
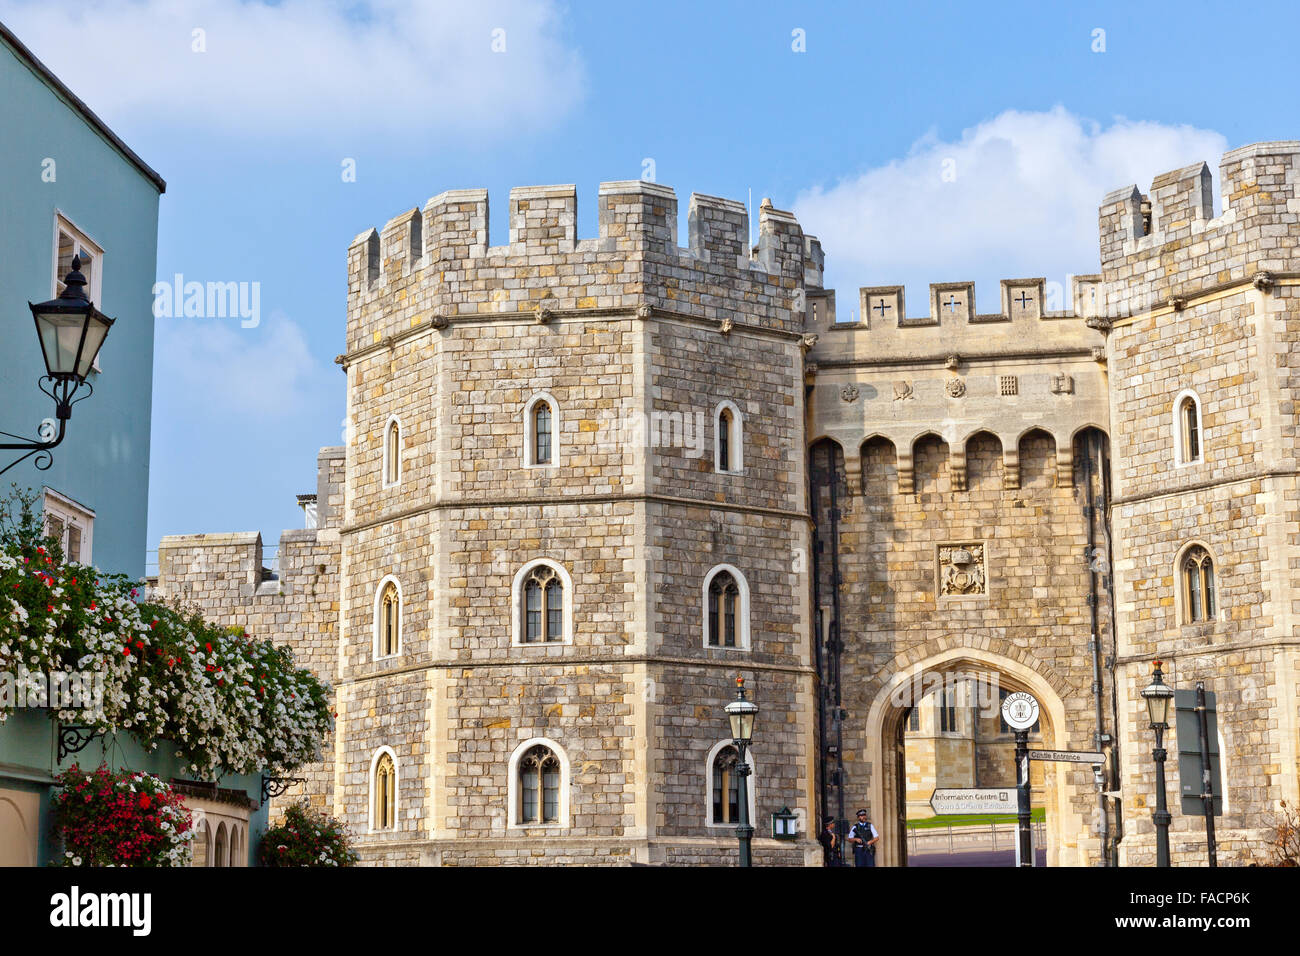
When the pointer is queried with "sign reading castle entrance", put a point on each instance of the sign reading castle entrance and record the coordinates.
(1020, 710)
(1069, 756)
(974, 800)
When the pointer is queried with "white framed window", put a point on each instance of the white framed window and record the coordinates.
(541, 431)
(388, 618)
(722, 786)
(728, 439)
(70, 242)
(541, 599)
(71, 524)
(538, 785)
(383, 790)
(392, 452)
(1188, 429)
(726, 608)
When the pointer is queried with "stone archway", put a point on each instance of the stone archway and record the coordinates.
(884, 720)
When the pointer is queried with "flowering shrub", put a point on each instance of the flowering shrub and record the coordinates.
(231, 704)
(120, 819)
(307, 838)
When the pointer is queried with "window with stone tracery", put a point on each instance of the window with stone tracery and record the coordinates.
(726, 786)
(543, 605)
(1197, 572)
(384, 791)
(539, 781)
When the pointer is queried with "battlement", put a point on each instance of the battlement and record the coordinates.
(440, 261)
(1168, 243)
(634, 217)
(953, 325)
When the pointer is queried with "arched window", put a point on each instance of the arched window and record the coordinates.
(1197, 573)
(1187, 429)
(383, 790)
(219, 857)
(388, 619)
(541, 432)
(724, 598)
(726, 786)
(538, 785)
(543, 614)
(728, 441)
(723, 778)
(392, 453)
(726, 608)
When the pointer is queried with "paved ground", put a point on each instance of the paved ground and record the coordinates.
(972, 858)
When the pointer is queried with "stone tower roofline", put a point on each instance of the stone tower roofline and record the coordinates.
(953, 327)
(636, 219)
(1161, 247)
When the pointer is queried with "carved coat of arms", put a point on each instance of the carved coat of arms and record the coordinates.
(961, 569)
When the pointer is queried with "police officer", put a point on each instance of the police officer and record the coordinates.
(863, 837)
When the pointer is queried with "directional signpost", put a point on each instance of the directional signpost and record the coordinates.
(1020, 711)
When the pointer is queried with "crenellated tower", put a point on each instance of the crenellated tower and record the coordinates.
(1203, 324)
(616, 423)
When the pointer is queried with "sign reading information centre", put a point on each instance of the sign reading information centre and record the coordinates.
(974, 800)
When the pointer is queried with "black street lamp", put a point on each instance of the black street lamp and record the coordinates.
(71, 332)
(741, 713)
(1157, 695)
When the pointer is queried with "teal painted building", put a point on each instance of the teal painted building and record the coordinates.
(69, 186)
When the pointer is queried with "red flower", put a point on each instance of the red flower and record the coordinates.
(92, 605)
(127, 650)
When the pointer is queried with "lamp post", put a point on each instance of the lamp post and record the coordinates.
(1157, 695)
(71, 332)
(741, 713)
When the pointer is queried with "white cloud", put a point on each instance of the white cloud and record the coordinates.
(1021, 201)
(315, 68)
(210, 371)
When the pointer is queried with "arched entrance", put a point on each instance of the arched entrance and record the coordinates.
(884, 735)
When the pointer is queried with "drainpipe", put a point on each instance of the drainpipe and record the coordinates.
(1100, 738)
(835, 647)
(1113, 656)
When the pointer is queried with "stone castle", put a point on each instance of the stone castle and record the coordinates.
(589, 482)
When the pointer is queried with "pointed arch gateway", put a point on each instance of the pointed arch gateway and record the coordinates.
(886, 785)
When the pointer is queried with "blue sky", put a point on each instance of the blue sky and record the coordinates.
(854, 134)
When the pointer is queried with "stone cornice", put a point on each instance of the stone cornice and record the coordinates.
(441, 322)
(1263, 281)
(1202, 485)
(739, 662)
(581, 499)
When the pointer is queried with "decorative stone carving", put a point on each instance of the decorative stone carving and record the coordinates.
(1062, 384)
(849, 393)
(808, 341)
(1008, 385)
(644, 311)
(1099, 353)
(956, 388)
(952, 361)
(726, 325)
(961, 570)
(544, 315)
(1263, 281)
(1177, 303)
(439, 319)
(903, 391)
